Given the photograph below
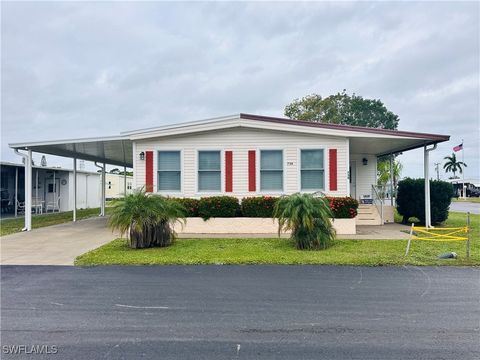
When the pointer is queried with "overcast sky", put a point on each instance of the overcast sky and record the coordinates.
(92, 69)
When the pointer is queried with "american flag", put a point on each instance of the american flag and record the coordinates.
(458, 147)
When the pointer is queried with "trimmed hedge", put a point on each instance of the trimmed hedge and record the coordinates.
(190, 205)
(258, 206)
(218, 206)
(343, 207)
(411, 199)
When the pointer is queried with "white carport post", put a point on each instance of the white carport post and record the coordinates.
(16, 191)
(391, 179)
(74, 189)
(28, 188)
(102, 202)
(104, 183)
(28, 195)
(428, 217)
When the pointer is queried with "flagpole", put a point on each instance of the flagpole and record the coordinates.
(463, 174)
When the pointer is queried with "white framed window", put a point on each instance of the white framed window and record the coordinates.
(271, 170)
(169, 171)
(209, 171)
(312, 170)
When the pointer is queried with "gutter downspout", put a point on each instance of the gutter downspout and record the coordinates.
(428, 215)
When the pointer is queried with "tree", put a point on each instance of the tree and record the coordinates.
(342, 108)
(453, 165)
(308, 217)
(384, 172)
(148, 219)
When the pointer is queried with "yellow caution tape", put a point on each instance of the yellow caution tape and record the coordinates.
(438, 234)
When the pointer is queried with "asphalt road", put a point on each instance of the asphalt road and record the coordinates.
(243, 312)
(473, 208)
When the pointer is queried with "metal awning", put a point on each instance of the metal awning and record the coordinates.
(115, 150)
(385, 146)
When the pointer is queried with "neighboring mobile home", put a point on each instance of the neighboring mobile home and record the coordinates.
(116, 185)
(52, 189)
(248, 155)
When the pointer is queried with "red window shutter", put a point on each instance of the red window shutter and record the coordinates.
(149, 171)
(252, 185)
(228, 171)
(332, 161)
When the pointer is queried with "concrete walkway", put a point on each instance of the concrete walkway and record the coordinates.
(392, 231)
(55, 245)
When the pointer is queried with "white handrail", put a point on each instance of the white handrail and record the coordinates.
(376, 198)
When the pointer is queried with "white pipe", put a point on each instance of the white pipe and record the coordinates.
(428, 216)
(74, 189)
(28, 188)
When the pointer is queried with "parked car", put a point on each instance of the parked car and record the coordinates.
(473, 193)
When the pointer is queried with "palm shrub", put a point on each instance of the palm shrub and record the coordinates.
(307, 216)
(148, 219)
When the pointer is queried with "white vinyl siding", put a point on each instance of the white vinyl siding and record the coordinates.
(312, 170)
(169, 171)
(209, 171)
(366, 175)
(271, 170)
(240, 141)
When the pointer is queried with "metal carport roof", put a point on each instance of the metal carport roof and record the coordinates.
(114, 150)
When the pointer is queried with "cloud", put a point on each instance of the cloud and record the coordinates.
(84, 69)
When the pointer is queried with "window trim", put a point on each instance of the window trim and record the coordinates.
(222, 170)
(155, 169)
(325, 168)
(259, 171)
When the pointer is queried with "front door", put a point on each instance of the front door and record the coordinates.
(52, 191)
(353, 179)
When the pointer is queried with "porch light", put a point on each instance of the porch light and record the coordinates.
(365, 161)
(142, 156)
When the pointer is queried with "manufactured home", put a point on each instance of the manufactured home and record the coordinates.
(250, 155)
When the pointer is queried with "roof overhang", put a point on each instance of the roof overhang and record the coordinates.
(115, 150)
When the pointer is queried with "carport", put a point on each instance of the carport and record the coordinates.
(115, 150)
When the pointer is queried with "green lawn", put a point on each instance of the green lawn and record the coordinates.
(282, 251)
(471, 199)
(13, 225)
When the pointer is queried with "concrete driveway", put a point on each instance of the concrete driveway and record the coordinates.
(55, 245)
